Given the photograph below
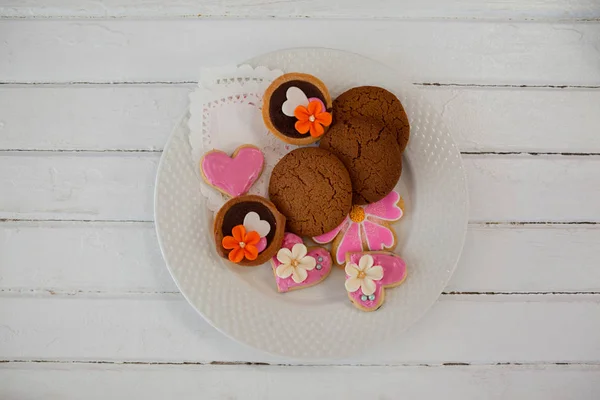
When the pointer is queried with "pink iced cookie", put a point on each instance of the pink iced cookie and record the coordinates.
(369, 273)
(234, 175)
(365, 228)
(297, 267)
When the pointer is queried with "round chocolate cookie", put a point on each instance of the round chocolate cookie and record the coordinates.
(312, 188)
(281, 99)
(377, 103)
(371, 155)
(257, 214)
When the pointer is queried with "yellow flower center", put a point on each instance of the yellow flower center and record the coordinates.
(357, 214)
(294, 263)
(311, 118)
(361, 275)
(242, 245)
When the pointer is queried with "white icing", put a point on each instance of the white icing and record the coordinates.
(252, 222)
(295, 263)
(363, 275)
(295, 97)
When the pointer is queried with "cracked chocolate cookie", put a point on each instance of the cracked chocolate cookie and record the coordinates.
(297, 108)
(312, 188)
(371, 155)
(376, 103)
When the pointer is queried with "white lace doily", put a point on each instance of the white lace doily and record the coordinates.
(225, 113)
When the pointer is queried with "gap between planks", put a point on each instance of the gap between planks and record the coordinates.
(421, 84)
(262, 364)
(159, 151)
(52, 292)
(254, 17)
(500, 224)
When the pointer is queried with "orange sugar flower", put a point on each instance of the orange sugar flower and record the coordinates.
(312, 118)
(242, 244)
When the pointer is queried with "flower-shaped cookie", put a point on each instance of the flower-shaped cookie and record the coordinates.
(365, 228)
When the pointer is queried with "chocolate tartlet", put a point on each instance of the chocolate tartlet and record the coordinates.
(234, 213)
(288, 92)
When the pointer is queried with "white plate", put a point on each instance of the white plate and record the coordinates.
(320, 322)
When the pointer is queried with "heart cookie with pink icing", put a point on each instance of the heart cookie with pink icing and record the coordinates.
(235, 175)
(296, 266)
(369, 273)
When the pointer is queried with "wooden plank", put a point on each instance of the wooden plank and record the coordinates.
(542, 188)
(512, 9)
(522, 120)
(124, 258)
(529, 259)
(72, 257)
(77, 381)
(82, 186)
(123, 117)
(471, 329)
(140, 117)
(119, 186)
(174, 50)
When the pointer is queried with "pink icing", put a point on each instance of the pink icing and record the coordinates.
(262, 244)
(350, 242)
(290, 239)
(314, 275)
(235, 175)
(329, 236)
(386, 208)
(378, 237)
(394, 271)
(323, 108)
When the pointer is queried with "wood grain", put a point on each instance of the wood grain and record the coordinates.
(538, 189)
(95, 288)
(97, 186)
(76, 117)
(174, 50)
(76, 381)
(529, 259)
(118, 258)
(119, 186)
(487, 329)
(140, 117)
(511, 9)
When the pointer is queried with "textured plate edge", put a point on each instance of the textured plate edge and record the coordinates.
(313, 358)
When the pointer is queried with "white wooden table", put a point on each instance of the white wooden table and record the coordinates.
(89, 91)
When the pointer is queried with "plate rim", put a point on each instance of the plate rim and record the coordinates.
(240, 339)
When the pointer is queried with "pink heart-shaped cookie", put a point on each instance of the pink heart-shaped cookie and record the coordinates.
(369, 273)
(321, 266)
(234, 175)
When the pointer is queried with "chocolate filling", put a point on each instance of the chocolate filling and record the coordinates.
(235, 216)
(282, 122)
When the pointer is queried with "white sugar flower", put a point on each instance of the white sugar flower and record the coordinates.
(295, 263)
(362, 275)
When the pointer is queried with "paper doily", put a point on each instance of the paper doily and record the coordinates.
(225, 113)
